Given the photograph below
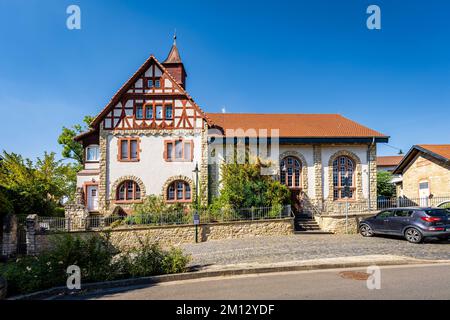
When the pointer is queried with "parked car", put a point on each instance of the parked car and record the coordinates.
(445, 205)
(413, 223)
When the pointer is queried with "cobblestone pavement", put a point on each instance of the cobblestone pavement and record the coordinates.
(306, 247)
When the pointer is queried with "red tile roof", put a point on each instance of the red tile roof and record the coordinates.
(295, 125)
(440, 149)
(388, 161)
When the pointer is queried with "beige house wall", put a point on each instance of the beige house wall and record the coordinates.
(426, 168)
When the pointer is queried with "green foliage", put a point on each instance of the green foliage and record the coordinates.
(98, 261)
(243, 186)
(153, 207)
(36, 187)
(72, 149)
(156, 204)
(384, 186)
(31, 273)
(149, 259)
(6, 207)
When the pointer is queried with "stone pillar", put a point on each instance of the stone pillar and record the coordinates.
(103, 203)
(32, 226)
(318, 175)
(9, 244)
(203, 183)
(373, 176)
(76, 216)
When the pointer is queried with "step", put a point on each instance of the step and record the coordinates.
(305, 222)
(301, 216)
(308, 229)
(302, 226)
(313, 232)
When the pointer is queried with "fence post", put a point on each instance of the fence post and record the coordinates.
(67, 226)
(32, 225)
(346, 217)
(398, 202)
(253, 213)
(9, 243)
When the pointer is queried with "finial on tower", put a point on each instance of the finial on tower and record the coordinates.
(175, 37)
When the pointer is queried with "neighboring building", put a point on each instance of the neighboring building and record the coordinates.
(425, 172)
(151, 135)
(388, 163)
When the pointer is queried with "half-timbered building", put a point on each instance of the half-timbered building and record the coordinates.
(151, 135)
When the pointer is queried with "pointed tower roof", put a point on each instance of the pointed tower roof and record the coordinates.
(174, 55)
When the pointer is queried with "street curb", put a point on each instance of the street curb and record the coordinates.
(59, 291)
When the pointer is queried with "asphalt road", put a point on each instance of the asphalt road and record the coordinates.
(397, 282)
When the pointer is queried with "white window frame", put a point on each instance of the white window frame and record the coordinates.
(98, 152)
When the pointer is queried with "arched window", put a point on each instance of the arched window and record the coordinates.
(179, 191)
(343, 176)
(128, 191)
(290, 168)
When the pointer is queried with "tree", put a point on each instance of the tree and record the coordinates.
(71, 148)
(243, 186)
(36, 187)
(385, 188)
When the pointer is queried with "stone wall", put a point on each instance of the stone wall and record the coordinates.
(9, 241)
(125, 238)
(339, 224)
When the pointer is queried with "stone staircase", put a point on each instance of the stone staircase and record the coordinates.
(304, 224)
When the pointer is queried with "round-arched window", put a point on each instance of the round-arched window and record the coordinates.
(128, 191)
(179, 191)
(343, 178)
(290, 169)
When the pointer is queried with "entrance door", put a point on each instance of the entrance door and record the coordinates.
(295, 201)
(92, 198)
(424, 193)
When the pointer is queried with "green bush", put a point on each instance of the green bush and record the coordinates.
(155, 204)
(385, 188)
(149, 259)
(243, 186)
(98, 261)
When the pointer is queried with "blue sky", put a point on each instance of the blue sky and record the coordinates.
(278, 56)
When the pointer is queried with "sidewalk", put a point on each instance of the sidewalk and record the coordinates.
(226, 271)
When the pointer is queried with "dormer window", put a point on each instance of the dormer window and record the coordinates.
(92, 152)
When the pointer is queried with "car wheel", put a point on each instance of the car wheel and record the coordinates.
(413, 235)
(365, 230)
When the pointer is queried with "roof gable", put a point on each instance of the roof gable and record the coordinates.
(133, 81)
(440, 152)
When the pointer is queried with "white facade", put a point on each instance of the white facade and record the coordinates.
(152, 168)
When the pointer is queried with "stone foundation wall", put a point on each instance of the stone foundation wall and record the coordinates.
(339, 224)
(177, 235)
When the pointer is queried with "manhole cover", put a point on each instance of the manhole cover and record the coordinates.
(354, 275)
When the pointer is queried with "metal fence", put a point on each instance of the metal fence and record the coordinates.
(363, 207)
(60, 224)
(400, 202)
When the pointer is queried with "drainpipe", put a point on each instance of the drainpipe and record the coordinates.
(368, 171)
